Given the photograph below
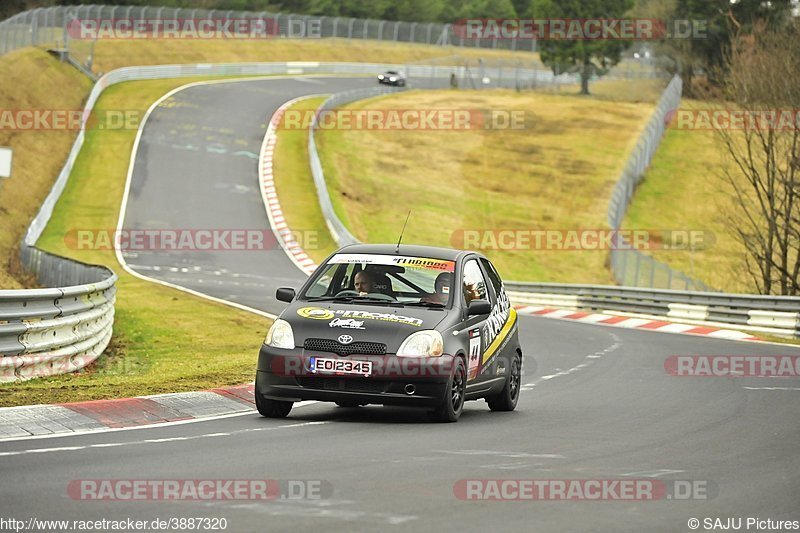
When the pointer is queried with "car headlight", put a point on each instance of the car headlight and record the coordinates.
(280, 335)
(392, 78)
(380, 76)
(428, 343)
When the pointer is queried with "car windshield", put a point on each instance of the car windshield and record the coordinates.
(380, 278)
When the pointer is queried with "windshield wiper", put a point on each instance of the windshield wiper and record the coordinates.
(331, 299)
(432, 305)
(356, 299)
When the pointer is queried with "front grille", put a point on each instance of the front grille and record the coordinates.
(339, 384)
(332, 346)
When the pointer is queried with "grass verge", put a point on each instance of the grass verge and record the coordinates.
(556, 173)
(164, 340)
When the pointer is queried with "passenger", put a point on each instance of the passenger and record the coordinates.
(442, 289)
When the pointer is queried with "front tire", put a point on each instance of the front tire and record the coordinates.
(271, 408)
(453, 404)
(509, 396)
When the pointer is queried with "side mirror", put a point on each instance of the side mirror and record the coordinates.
(479, 307)
(285, 294)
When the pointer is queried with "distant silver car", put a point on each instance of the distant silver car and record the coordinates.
(391, 77)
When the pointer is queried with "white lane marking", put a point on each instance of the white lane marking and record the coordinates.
(156, 441)
(245, 412)
(588, 361)
(771, 388)
(509, 466)
(653, 473)
(60, 449)
(511, 455)
(328, 509)
(308, 80)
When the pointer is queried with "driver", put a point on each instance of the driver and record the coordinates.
(364, 283)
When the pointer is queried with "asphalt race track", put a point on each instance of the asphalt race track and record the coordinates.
(597, 403)
(196, 168)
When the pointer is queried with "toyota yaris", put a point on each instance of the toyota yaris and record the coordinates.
(395, 325)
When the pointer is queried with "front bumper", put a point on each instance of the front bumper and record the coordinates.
(285, 375)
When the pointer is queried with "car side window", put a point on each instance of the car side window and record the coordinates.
(474, 283)
(494, 277)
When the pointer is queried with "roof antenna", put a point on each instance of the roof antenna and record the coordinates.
(397, 250)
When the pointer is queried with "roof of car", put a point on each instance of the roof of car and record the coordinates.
(434, 252)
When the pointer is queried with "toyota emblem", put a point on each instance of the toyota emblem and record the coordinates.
(345, 339)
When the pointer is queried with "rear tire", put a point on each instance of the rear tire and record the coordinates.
(509, 396)
(271, 408)
(453, 404)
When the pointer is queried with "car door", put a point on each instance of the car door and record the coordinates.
(500, 328)
(474, 286)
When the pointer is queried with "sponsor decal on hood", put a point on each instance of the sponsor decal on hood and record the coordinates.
(319, 313)
(348, 323)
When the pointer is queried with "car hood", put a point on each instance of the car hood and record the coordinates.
(385, 324)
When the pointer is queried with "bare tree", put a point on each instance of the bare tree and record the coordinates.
(762, 80)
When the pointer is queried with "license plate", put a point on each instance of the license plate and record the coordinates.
(319, 365)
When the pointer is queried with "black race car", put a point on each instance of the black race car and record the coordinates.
(394, 325)
(392, 77)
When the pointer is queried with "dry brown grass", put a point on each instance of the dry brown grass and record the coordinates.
(557, 173)
(31, 79)
(115, 54)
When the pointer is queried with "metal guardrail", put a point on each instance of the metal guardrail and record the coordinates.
(779, 315)
(54, 331)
